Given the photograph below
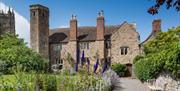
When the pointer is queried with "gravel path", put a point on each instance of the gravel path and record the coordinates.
(128, 84)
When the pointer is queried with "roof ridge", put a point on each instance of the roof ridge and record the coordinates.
(117, 25)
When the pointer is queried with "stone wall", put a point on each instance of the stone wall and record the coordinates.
(172, 83)
(95, 47)
(91, 53)
(126, 36)
(70, 47)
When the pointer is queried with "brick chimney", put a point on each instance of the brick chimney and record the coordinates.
(73, 28)
(156, 25)
(100, 26)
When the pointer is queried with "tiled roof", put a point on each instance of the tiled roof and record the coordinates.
(85, 33)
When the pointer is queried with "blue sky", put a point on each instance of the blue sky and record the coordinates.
(115, 11)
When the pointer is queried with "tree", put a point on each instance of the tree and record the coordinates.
(161, 54)
(14, 52)
(159, 3)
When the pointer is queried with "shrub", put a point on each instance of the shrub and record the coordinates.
(137, 58)
(150, 66)
(160, 54)
(120, 69)
(13, 51)
(50, 82)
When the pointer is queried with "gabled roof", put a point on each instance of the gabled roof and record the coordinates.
(151, 36)
(85, 33)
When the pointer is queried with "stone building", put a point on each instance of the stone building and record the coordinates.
(115, 43)
(7, 22)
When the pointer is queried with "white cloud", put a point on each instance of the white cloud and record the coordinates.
(21, 24)
(64, 26)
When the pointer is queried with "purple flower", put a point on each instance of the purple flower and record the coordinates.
(77, 61)
(96, 65)
(76, 67)
(88, 64)
(105, 66)
(82, 59)
(77, 55)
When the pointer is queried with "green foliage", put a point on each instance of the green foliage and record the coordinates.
(137, 58)
(13, 51)
(161, 54)
(120, 69)
(149, 67)
(70, 60)
(173, 62)
(49, 82)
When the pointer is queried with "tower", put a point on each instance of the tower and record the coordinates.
(39, 29)
(7, 22)
(11, 21)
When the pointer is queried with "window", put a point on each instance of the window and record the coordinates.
(108, 44)
(43, 14)
(87, 45)
(33, 13)
(57, 49)
(84, 45)
(124, 50)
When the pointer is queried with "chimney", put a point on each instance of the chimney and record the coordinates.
(100, 26)
(156, 25)
(73, 28)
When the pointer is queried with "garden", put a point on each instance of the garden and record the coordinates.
(21, 69)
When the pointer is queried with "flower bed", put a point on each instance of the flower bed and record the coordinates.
(52, 82)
